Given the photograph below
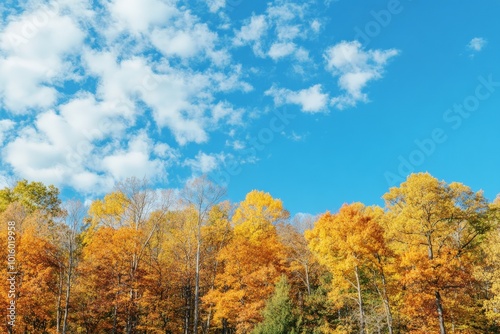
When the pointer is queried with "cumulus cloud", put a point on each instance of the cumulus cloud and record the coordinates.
(179, 99)
(252, 33)
(355, 68)
(55, 152)
(135, 160)
(311, 100)
(280, 50)
(35, 47)
(138, 16)
(128, 87)
(184, 43)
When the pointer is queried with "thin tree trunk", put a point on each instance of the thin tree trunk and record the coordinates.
(439, 304)
(360, 303)
(387, 307)
(68, 290)
(59, 297)
(197, 283)
(207, 329)
(187, 292)
(385, 297)
(307, 280)
(115, 311)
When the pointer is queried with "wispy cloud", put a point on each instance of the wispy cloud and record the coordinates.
(477, 44)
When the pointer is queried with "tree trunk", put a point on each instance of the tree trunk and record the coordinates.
(385, 297)
(207, 329)
(360, 303)
(115, 311)
(307, 280)
(59, 297)
(187, 311)
(439, 305)
(68, 290)
(197, 283)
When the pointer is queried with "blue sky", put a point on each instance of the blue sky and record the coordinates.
(317, 102)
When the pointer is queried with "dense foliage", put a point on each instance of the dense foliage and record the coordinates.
(143, 261)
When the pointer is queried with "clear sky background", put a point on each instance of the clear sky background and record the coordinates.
(317, 102)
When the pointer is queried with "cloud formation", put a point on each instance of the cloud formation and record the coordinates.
(95, 92)
(477, 44)
(355, 68)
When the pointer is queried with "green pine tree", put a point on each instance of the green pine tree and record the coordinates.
(278, 313)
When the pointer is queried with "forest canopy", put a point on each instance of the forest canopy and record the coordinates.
(139, 260)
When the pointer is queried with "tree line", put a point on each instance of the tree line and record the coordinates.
(142, 260)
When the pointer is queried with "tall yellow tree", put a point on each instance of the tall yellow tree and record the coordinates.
(435, 227)
(129, 207)
(489, 271)
(253, 262)
(351, 245)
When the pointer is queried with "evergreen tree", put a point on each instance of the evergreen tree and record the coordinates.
(278, 315)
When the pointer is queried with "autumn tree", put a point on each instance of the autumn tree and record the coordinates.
(252, 262)
(302, 264)
(202, 194)
(489, 270)
(74, 213)
(216, 234)
(351, 245)
(435, 228)
(127, 212)
(32, 196)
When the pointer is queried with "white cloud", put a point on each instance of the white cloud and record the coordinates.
(311, 100)
(252, 33)
(274, 33)
(93, 75)
(477, 44)
(34, 50)
(47, 150)
(96, 120)
(205, 163)
(171, 95)
(62, 148)
(134, 161)
(355, 67)
(138, 16)
(180, 100)
(215, 5)
(280, 50)
(186, 39)
(33, 157)
(224, 110)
